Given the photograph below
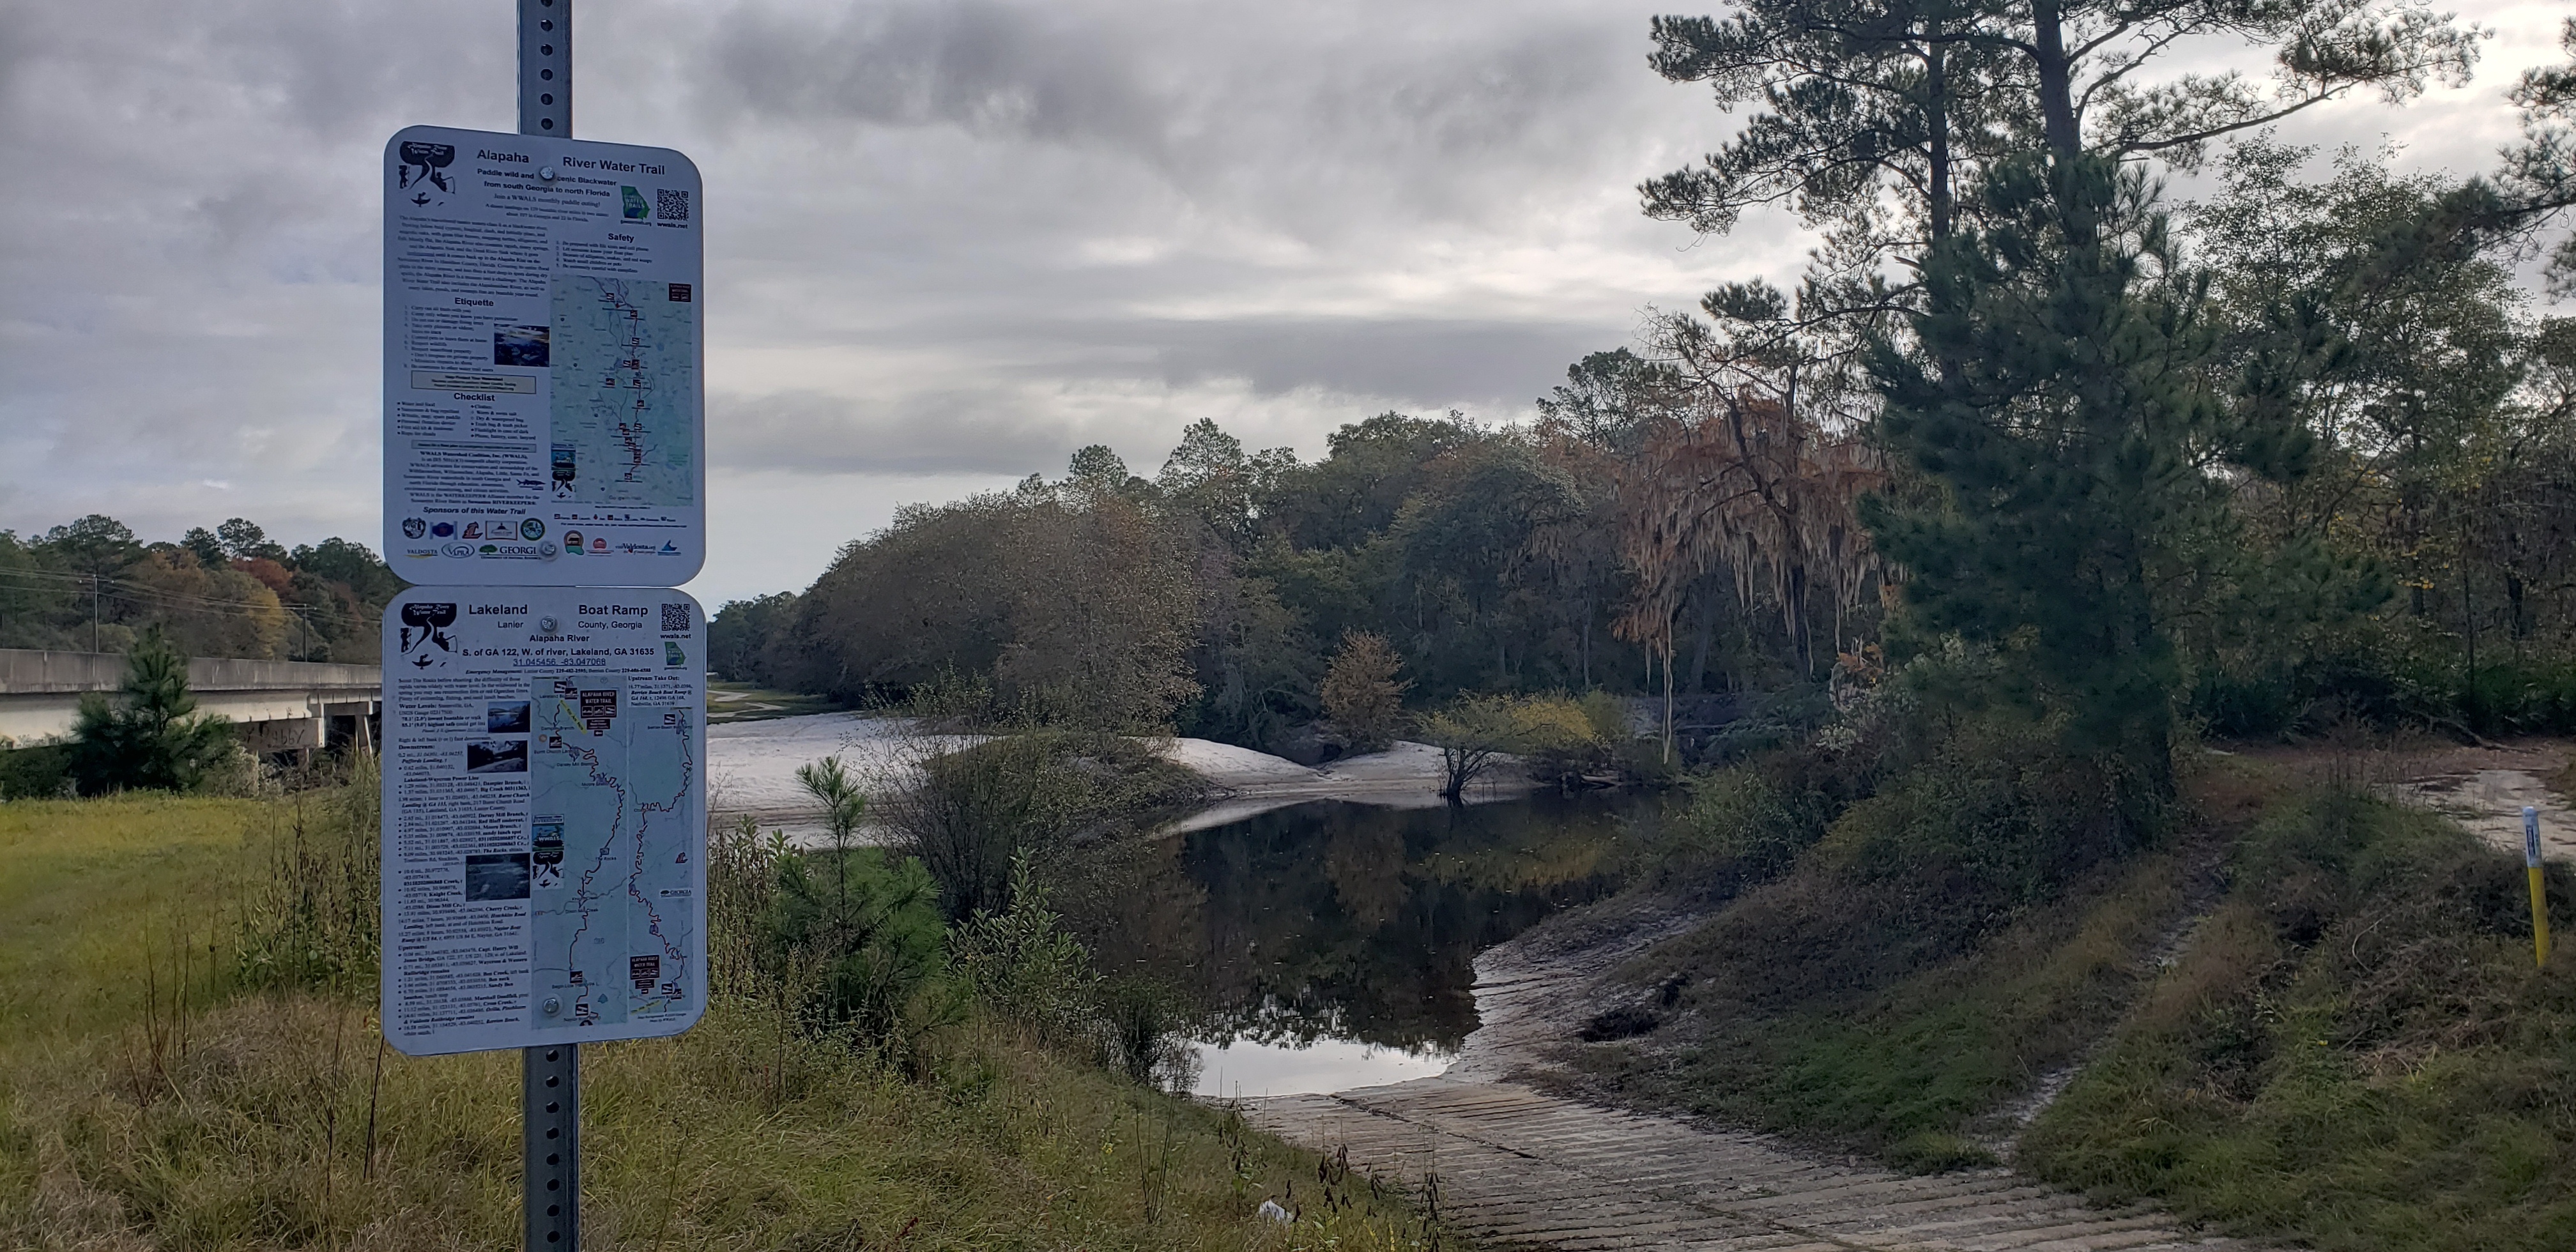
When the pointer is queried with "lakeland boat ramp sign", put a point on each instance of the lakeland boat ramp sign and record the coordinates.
(544, 361)
(544, 872)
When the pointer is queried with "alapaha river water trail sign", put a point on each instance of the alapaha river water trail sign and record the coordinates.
(544, 361)
(544, 872)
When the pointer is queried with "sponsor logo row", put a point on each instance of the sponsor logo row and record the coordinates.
(521, 540)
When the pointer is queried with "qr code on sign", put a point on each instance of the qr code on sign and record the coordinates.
(675, 619)
(671, 206)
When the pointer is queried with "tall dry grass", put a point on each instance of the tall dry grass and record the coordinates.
(225, 1087)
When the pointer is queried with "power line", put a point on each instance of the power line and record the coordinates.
(133, 589)
(147, 596)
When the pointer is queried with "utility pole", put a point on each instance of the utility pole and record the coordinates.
(549, 1076)
(93, 610)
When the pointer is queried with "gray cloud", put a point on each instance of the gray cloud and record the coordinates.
(1423, 363)
(809, 432)
(949, 239)
(1018, 425)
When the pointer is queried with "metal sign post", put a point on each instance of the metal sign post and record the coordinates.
(549, 1077)
(544, 842)
(550, 1082)
(545, 68)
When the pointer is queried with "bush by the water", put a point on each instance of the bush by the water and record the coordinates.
(1032, 793)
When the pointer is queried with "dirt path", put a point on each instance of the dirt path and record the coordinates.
(2485, 789)
(2482, 786)
(1519, 1165)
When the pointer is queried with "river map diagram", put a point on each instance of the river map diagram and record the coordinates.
(611, 899)
(625, 361)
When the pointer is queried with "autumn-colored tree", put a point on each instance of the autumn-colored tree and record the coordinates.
(1747, 485)
(1361, 697)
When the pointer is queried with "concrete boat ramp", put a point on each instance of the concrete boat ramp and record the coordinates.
(1515, 1163)
(1521, 1168)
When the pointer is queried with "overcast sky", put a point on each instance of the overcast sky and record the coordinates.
(947, 240)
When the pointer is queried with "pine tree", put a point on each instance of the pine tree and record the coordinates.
(2056, 401)
(153, 738)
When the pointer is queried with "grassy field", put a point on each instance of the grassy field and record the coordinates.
(2356, 1052)
(150, 1099)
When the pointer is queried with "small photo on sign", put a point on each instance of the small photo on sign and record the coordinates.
(496, 756)
(521, 345)
(505, 717)
(496, 876)
(546, 852)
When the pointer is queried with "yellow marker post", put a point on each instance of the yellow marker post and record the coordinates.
(2539, 898)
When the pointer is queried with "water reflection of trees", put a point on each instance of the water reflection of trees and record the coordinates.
(1351, 921)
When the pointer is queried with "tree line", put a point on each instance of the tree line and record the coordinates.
(2295, 449)
(92, 586)
(1214, 596)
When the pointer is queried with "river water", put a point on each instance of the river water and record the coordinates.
(1332, 944)
(1326, 945)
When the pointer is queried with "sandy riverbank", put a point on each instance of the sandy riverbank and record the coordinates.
(751, 770)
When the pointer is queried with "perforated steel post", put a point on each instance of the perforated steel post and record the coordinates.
(545, 68)
(549, 1078)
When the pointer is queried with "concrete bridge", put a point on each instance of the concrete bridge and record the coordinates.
(279, 706)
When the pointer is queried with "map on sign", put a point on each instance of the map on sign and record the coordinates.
(611, 815)
(625, 357)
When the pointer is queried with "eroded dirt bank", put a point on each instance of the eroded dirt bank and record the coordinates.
(1518, 1162)
(1522, 1158)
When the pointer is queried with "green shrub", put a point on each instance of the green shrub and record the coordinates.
(42, 772)
(970, 812)
(151, 737)
(860, 941)
(1739, 826)
(1146, 1024)
(1024, 965)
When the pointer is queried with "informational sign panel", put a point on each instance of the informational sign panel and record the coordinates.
(544, 361)
(545, 816)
